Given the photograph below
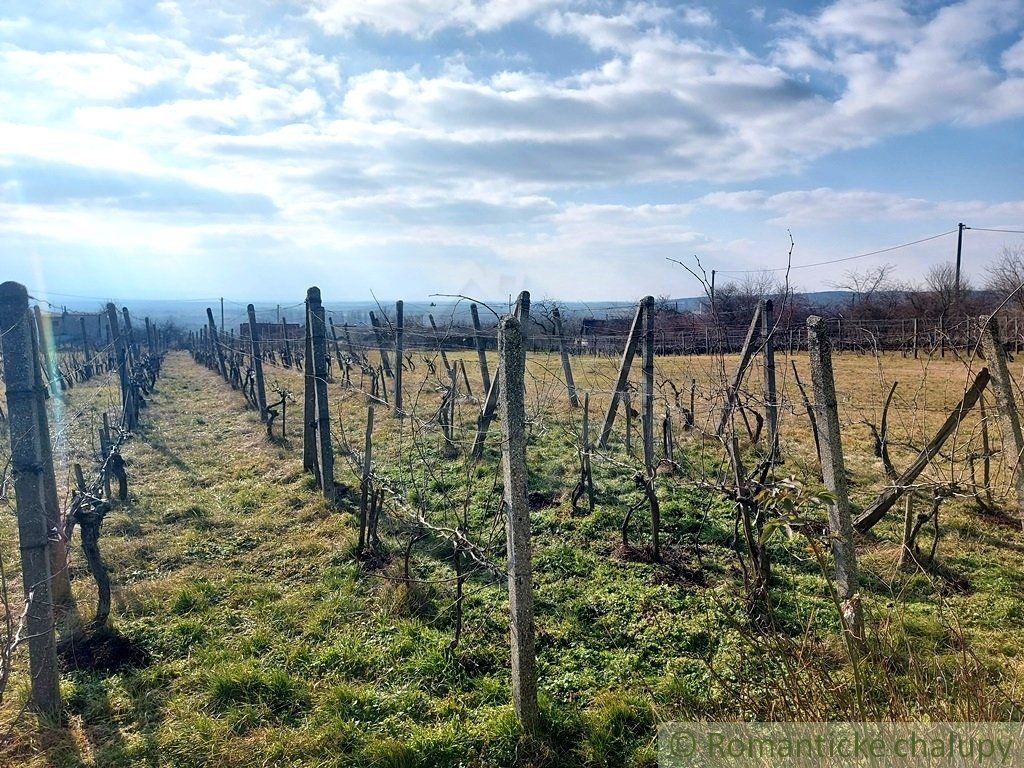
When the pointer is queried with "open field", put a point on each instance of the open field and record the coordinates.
(263, 639)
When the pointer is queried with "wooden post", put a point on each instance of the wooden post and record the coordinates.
(309, 449)
(337, 348)
(563, 351)
(384, 360)
(133, 345)
(623, 378)
(26, 414)
(1006, 404)
(647, 367)
(86, 356)
(286, 347)
(481, 348)
(511, 375)
(257, 362)
(215, 343)
(833, 472)
(588, 474)
(122, 357)
(367, 470)
(149, 337)
(737, 380)
(317, 363)
(771, 406)
(647, 360)
(915, 338)
(522, 314)
(399, 356)
(440, 347)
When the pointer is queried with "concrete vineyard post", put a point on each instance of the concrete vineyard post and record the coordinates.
(25, 414)
(511, 375)
(60, 586)
(833, 470)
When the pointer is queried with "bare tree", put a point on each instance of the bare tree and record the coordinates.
(1006, 275)
(874, 293)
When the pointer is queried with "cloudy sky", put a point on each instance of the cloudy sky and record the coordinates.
(410, 147)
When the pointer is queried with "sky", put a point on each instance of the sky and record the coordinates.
(406, 148)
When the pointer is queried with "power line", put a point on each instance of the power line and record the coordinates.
(838, 261)
(1008, 231)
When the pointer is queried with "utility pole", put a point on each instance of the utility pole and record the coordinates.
(712, 291)
(959, 250)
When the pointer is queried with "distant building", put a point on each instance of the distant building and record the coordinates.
(66, 327)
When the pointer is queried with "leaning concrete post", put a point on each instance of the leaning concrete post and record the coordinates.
(399, 355)
(833, 471)
(481, 348)
(771, 407)
(563, 351)
(623, 378)
(511, 375)
(746, 352)
(318, 364)
(309, 451)
(1006, 403)
(25, 409)
(257, 362)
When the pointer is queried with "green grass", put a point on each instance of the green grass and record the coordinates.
(270, 645)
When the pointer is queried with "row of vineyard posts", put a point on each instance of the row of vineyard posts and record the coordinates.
(35, 370)
(241, 365)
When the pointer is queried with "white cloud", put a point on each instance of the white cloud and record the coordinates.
(808, 207)
(423, 17)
